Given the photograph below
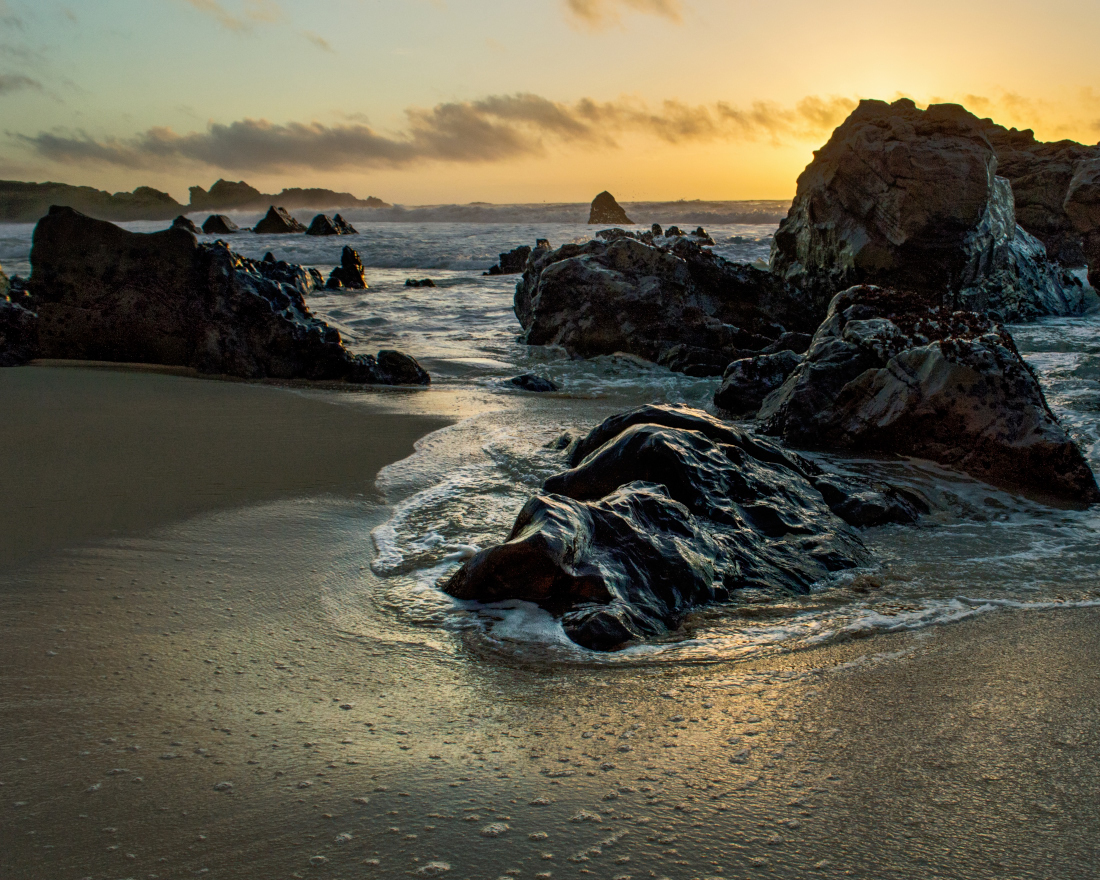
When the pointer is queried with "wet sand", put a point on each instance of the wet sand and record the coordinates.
(226, 690)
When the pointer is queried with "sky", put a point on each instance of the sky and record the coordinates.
(452, 101)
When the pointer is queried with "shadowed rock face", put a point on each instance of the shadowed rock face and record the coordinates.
(219, 224)
(679, 305)
(18, 326)
(278, 222)
(182, 222)
(667, 510)
(896, 372)
(910, 198)
(1083, 208)
(512, 262)
(747, 382)
(104, 293)
(606, 210)
(349, 275)
(323, 225)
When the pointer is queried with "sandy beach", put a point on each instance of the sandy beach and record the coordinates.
(201, 676)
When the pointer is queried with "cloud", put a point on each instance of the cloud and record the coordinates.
(496, 128)
(318, 41)
(14, 83)
(252, 13)
(598, 13)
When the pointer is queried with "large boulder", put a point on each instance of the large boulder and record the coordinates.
(184, 222)
(910, 198)
(278, 221)
(668, 510)
(747, 382)
(322, 225)
(898, 372)
(1082, 206)
(513, 262)
(219, 224)
(681, 305)
(606, 210)
(349, 275)
(104, 293)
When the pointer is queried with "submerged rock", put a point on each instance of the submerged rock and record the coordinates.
(278, 221)
(104, 293)
(667, 510)
(910, 199)
(747, 382)
(512, 262)
(219, 224)
(349, 275)
(681, 306)
(419, 282)
(897, 372)
(606, 210)
(533, 382)
(182, 222)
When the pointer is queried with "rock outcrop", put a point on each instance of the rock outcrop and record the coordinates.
(1082, 206)
(219, 224)
(323, 225)
(183, 222)
(668, 510)
(343, 227)
(909, 198)
(278, 221)
(748, 381)
(606, 210)
(898, 372)
(349, 275)
(104, 293)
(681, 306)
(511, 263)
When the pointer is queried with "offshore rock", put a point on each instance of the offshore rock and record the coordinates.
(349, 274)
(667, 511)
(909, 198)
(898, 372)
(182, 222)
(606, 210)
(533, 382)
(512, 262)
(1082, 206)
(343, 227)
(419, 282)
(322, 225)
(219, 224)
(104, 293)
(747, 382)
(278, 222)
(681, 306)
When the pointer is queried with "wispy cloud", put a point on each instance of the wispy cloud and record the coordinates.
(318, 41)
(252, 12)
(496, 128)
(16, 83)
(599, 13)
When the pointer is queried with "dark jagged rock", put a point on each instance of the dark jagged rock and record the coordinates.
(910, 198)
(1082, 206)
(747, 382)
(278, 222)
(656, 230)
(419, 282)
(542, 244)
(702, 236)
(18, 324)
(182, 222)
(343, 227)
(219, 224)
(606, 210)
(668, 510)
(299, 277)
(322, 225)
(681, 306)
(104, 293)
(349, 274)
(512, 262)
(269, 258)
(532, 382)
(897, 372)
(673, 231)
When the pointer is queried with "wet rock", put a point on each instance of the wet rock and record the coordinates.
(702, 236)
(657, 520)
(219, 224)
(532, 382)
(512, 262)
(542, 244)
(349, 275)
(1082, 205)
(18, 325)
(656, 230)
(747, 382)
(322, 225)
(343, 227)
(182, 222)
(299, 277)
(910, 199)
(104, 293)
(898, 372)
(422, 282)
(679, 305)
(278, 221)
(673, 231)
(606, 210)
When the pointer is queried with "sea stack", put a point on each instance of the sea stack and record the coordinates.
(219, 224)
(606, 210)
(278, 222)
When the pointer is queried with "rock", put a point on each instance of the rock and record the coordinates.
(1082, 205)
(349, 274)
(748, 381)
(542, 244)
(18, 324)
(219, 224)
(182, 222)
(656, 230)
(104, 293)
(512, 262)
(343, 227)
(702, 235)
(300, 278)
(606, 210)
(277, 222)
(422, 282)
(322, 225)
(897, 372)
(269, 258)
(908, 198)
(628, 296)
(531, 382)
(673, 231)
(659, 520)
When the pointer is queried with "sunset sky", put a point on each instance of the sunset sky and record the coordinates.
(429, 101)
